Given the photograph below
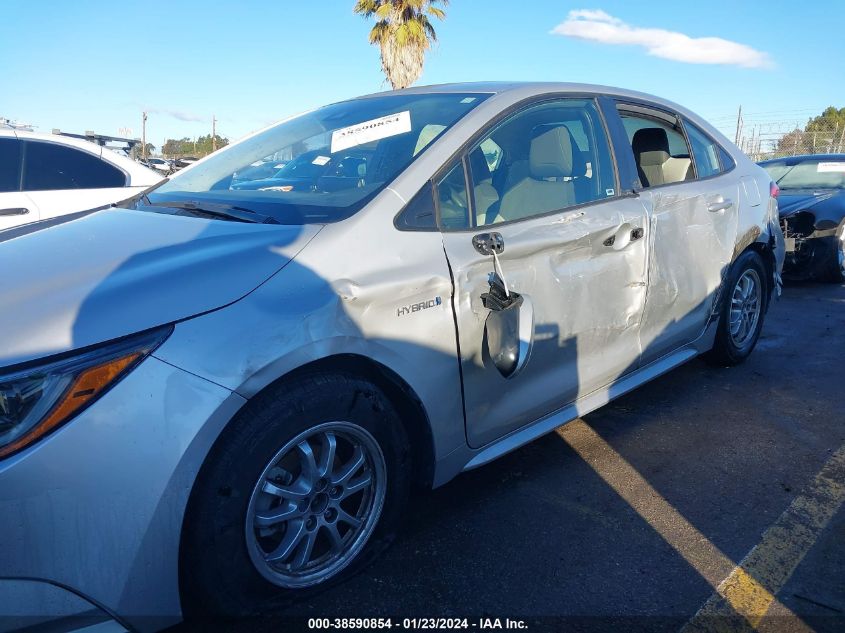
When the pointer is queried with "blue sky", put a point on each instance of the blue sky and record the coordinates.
(95, 65)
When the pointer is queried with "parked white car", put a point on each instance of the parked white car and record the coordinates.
(47, 175)
(160, 165)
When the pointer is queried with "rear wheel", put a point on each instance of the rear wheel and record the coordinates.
(742, 312)
(305, 487)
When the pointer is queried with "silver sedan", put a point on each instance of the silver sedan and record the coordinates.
(223, 393)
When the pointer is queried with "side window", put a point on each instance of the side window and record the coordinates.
(10, 164)
(452, 198)
(703, 151)
(546, 158)
(660, 149)
(52, 166)
(726, 159)
(418, 214)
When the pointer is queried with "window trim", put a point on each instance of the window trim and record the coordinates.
(510, 112)
(24, 155)
(435, 185)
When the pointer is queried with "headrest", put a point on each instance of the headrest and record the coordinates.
(651, 146)
(551, 154)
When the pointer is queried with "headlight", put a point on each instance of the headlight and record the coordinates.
(36, 400)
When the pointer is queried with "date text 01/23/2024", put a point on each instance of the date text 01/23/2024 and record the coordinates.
(416, 624)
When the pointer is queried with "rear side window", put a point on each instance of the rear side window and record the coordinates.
(704, 151)
(10, 164)
(660, 149)
(49, 166)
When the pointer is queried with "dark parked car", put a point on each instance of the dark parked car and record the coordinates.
(316, 170)
(258, 170)
(181, 163)
(812, 214)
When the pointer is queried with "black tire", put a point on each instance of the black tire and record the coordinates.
(725, 351)
(217, 575)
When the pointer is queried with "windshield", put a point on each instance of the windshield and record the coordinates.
(812, 173)
(332, 160)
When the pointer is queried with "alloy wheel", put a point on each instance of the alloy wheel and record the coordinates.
(316, 504)
(746, 306)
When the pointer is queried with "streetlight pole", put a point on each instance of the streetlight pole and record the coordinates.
(144, 135)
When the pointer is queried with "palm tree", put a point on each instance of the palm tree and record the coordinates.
(404, 33)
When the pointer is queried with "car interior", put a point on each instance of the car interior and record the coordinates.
(546, 159)
(660, 151)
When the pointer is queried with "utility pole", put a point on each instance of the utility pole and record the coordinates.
(738, 125)
(213, 134)
(144, 135)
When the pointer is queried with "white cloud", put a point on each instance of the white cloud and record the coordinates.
(597, 26)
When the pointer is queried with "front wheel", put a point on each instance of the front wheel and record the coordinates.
(306, 486)
(742, 312)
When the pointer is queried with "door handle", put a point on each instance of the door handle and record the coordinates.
(720, 204)
(489, 243)
(14, 211)
(635, 234)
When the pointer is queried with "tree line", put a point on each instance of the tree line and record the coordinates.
(198, 147)
(822, 133)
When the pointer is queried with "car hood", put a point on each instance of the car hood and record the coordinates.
(791, 202)
(120, 271)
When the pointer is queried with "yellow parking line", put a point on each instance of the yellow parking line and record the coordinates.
(747, 589)
(750, 588)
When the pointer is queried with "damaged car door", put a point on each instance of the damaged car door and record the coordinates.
(693, 220)
(549, 265)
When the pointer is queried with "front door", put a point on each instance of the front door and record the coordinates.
(542, 193)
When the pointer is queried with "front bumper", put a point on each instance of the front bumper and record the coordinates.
(97, 506)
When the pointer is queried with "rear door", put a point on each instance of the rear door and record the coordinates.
(540, 189)
(15, 207)
(62, 179)
(693, 220)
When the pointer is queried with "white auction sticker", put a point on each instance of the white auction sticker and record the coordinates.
(372, 130)
(321, 160)
(831, 166)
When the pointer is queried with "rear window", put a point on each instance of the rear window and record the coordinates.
(333, 160)
(50, 166)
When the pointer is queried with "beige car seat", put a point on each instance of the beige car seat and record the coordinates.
(550, 162)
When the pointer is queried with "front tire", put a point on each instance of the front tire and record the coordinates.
(742, 312)
(304, 488)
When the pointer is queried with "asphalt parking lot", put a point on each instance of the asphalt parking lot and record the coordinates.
(631, 518)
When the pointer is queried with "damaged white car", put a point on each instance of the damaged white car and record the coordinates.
(221, 394)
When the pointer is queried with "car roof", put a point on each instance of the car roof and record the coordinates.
(527, 88)
(518, 90)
